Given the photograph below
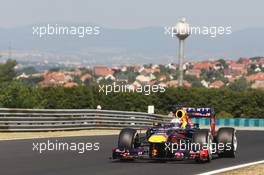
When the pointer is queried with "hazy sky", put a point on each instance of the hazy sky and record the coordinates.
(133, 13)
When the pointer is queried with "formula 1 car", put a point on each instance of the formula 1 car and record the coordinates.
(165, 141)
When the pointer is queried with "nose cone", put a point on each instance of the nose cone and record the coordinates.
(157, 139)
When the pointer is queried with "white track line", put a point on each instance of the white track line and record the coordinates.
(50, 137)
(232, 168)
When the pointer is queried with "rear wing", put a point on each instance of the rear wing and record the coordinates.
(194, 112)
(199, 112)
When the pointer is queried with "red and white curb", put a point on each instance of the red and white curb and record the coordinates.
(232, 168)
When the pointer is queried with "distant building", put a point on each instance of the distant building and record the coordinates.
(217, 84)
(103, 71)
(218, 66)
(205, 83)
(256, 77)
(22, 76)
(145, 71)
(261, 60)
(85, 77)
(232, 75)
(143, 79)
(258, 84)
(77, 72)
(171, 66)
(203, 65)
(70, 85)
(193, 72)
(162, 77)
(175, 83)
(53, 79)
(239, 68)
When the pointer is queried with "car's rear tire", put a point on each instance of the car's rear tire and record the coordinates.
(227, 135)
(128, 138)
(203, 138)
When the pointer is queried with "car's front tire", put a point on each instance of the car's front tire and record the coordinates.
(128, 138)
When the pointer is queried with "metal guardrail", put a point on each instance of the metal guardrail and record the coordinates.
(77, 119)
(65, 119)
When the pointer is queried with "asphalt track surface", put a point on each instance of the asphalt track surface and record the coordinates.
(17, 158)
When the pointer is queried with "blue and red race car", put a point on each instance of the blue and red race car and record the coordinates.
(178, 141)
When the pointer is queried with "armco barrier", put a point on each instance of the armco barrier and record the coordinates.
(65, 119)
(62, 119)
(243, 122)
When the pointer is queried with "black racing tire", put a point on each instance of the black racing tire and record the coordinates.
(128, 138)
(203, 138)
(227, 135)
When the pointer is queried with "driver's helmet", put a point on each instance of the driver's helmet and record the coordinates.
(180, 114)
(183, 118)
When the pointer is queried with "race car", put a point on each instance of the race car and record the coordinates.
(167, 141)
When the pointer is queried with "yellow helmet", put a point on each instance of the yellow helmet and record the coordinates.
(180, 113)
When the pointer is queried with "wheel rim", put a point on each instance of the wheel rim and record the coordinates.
(235, 143)
(210, 148)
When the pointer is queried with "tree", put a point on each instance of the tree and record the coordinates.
(32, 80)
(213, 75)
(193, 80)
(55, 69)
(7, 71)
(17, 95)
(239, 84)
(28, 70)
(223, 63)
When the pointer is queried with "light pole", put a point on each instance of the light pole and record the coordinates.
(182, 31)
